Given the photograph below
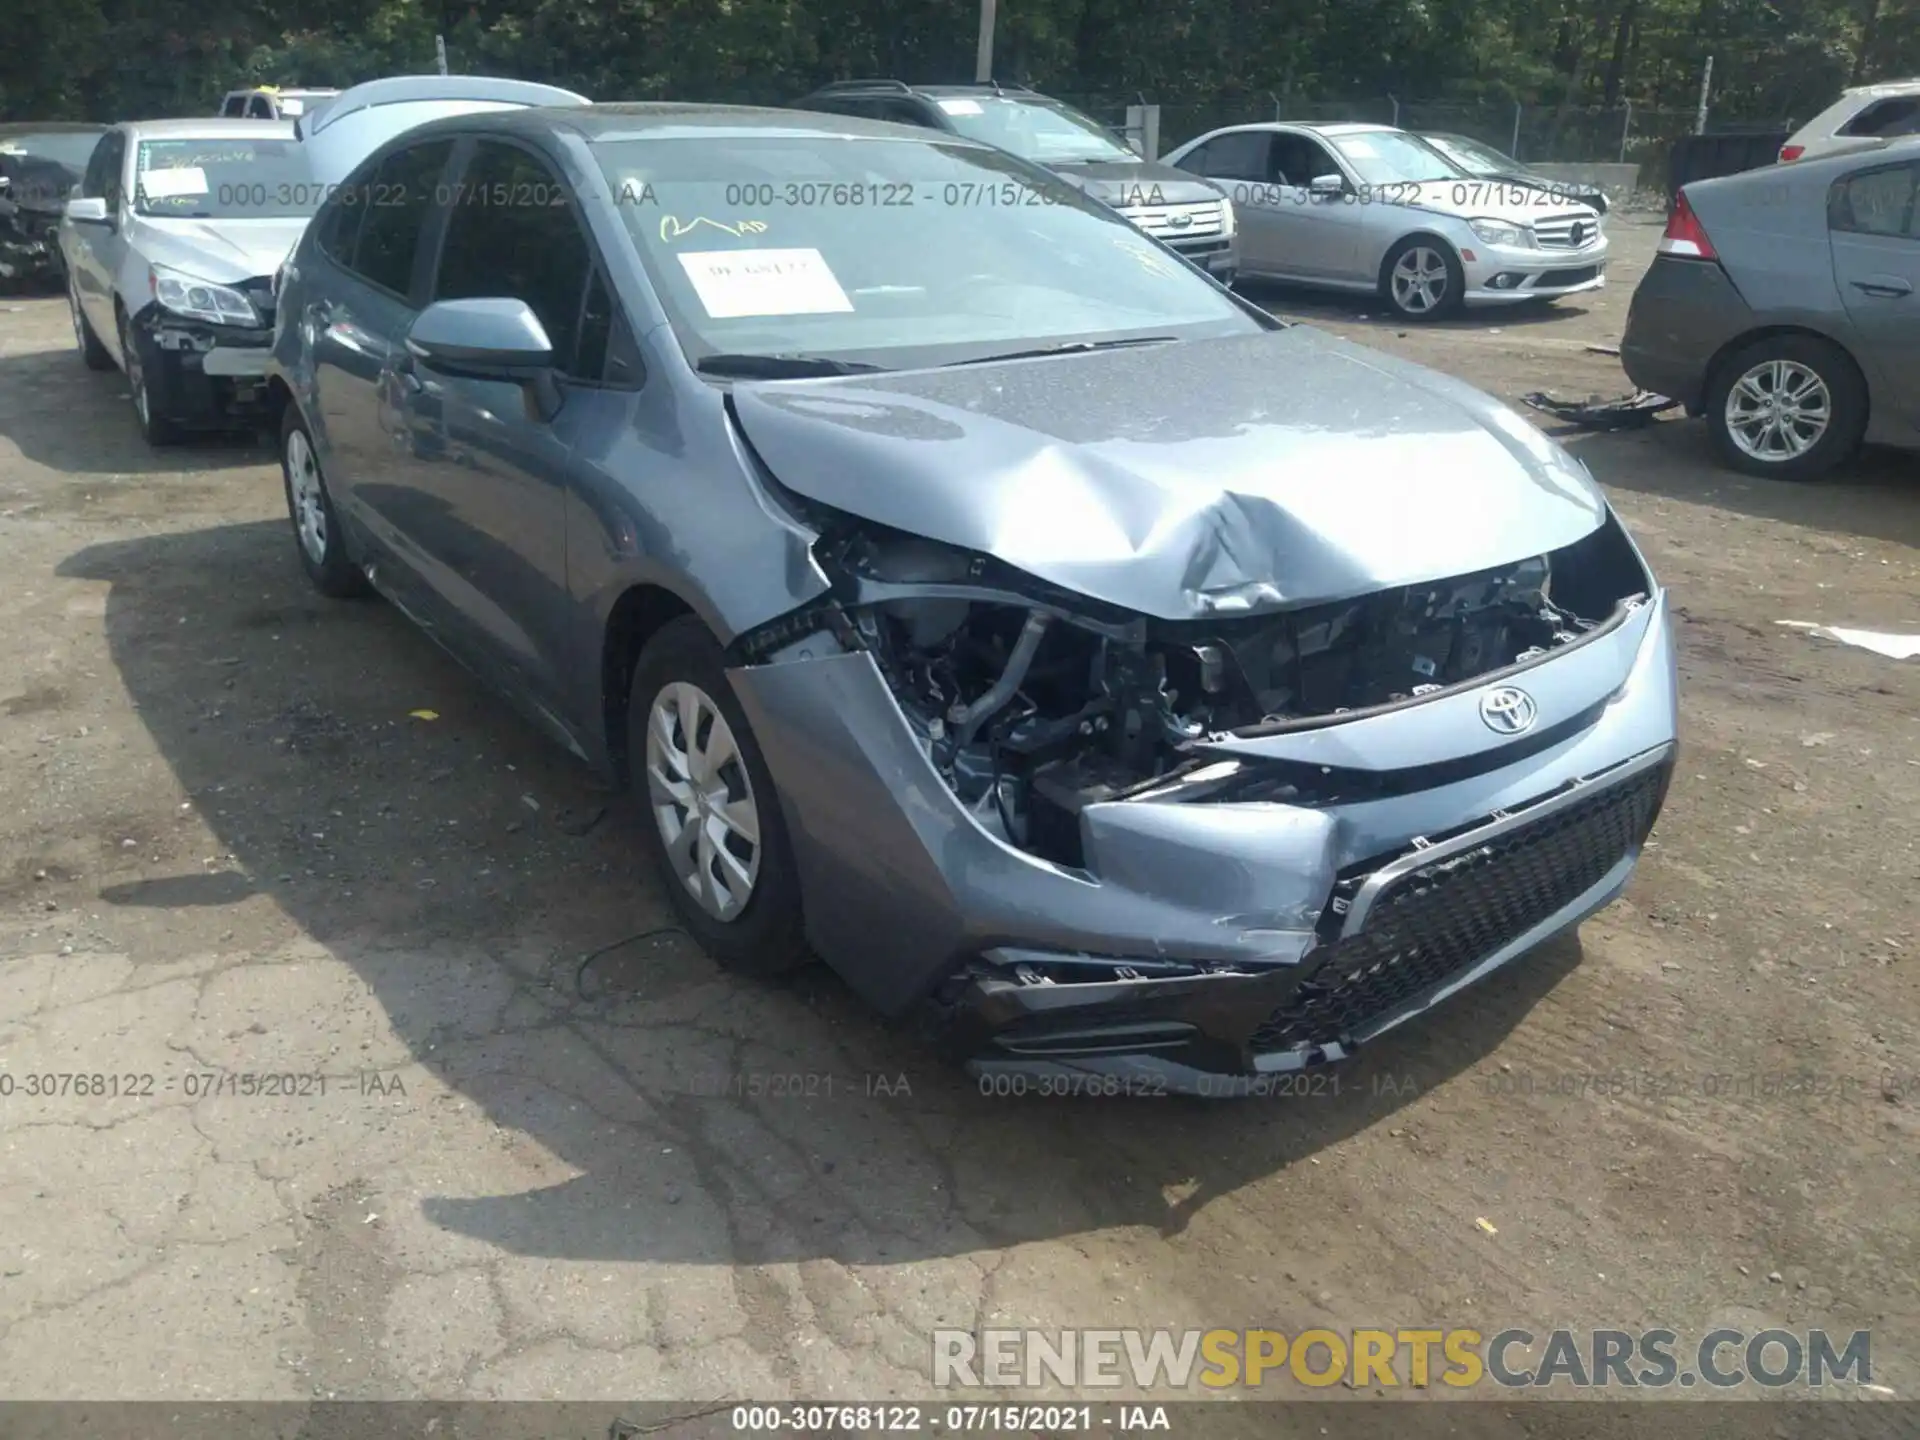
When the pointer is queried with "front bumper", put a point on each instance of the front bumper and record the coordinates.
(203, 376)
(1205, 945)
(1506, 275)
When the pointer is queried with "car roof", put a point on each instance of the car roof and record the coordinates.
(1819, 171)
(1884, 87)
(902, 87)
(210, 127)
(51, 127)
(431, 89)
(669, 119)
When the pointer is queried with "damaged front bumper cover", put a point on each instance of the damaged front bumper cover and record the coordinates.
(1202, 944)
(202, 375)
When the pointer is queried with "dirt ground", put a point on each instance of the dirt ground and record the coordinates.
(549, 1164)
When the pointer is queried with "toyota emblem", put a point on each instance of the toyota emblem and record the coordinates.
(1508, 710)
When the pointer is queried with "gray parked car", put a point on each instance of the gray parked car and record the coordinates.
(1782, 306)
(1160, 695)
(1189, 215)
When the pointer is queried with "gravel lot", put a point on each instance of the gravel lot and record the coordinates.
(229, 846)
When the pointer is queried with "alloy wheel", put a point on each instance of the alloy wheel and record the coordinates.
(1778, 411)
(309, 503)
(1419, 280)
(702, 799)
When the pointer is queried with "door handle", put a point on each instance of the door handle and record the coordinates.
(1890, 287)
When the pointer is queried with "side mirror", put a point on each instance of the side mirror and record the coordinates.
(1327, 187)
(490, 339)
(90, 210)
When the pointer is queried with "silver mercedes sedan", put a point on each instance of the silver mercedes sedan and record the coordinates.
(972, 592)
(1375, 209)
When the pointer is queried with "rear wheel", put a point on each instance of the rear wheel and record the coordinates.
(1791, 407)
(716, 832)
(1422, 279)
(316, 528)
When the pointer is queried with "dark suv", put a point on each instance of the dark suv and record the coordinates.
(1191, 216)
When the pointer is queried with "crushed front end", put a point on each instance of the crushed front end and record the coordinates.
(1201, 851)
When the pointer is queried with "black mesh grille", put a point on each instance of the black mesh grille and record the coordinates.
(1441, 918)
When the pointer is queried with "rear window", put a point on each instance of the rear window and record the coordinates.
(1897, 116)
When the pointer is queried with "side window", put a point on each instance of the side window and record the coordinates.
(1242, 155)
(112, 156)
(93, 184)
(905, 112)
(607, 352)
(1897, 116)
(260, 108)
(1877, 202)
(512, 231)
(397, 202)
(1300, 160)
(233, 106)
(337, 225)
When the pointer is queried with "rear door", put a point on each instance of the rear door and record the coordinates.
(1242, 160)
(1873, 215)
(485, 474)
(371, 232)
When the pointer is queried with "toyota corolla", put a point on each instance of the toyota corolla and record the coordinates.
(973, 594)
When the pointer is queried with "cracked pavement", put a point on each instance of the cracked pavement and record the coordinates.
(380, 1085)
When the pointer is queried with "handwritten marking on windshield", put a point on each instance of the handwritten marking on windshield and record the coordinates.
(672, 228)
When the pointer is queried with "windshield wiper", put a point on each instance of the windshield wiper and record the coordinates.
(779, 367)
(1071, 347)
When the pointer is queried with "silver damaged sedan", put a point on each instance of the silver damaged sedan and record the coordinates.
(972, 592)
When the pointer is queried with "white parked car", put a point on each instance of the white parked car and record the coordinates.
(1863, 118)
(174, 238)
(1372, 208)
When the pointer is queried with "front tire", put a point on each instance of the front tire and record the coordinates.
(714, 826)
(1422, 279)
(155, 428)
(1789, 407)
(92, 351)
(317, 534)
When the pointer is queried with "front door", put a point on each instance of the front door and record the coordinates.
(1874, 217)
(486, 471)
(99, 248)
(370, 237)
(1321, 233)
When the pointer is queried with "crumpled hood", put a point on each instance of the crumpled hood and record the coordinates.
(1121, 182)
(1189, 479)
(223, 251)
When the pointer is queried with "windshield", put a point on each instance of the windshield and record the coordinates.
(1042, 131)
(1473, 157)
(1392, 157)
(891, 252)
(71, 148)
(237, 177)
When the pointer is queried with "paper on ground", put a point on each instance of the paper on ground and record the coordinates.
(736, 283)
(1881, 642)
(173, 183)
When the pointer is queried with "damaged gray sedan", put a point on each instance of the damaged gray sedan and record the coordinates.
(974, 594)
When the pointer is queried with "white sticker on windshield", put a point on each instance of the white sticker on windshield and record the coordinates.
(173, 183)
(1357, 149)
(736, 283)
(961, 107)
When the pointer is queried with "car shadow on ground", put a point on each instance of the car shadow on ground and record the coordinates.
(467, 873)
(81, 422)
(1876, 496)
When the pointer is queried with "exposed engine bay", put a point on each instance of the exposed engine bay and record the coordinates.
(1034, 702)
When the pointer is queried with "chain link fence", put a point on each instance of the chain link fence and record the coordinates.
(1532, 134)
